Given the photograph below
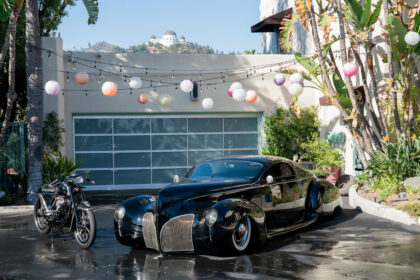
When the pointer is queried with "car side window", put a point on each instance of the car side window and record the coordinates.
(279, 171)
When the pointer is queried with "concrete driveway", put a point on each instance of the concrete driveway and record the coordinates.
(352, 245)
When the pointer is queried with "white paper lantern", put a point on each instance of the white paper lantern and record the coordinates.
(295, 89)
(412, 38)
(279, 79)
(207, 103)
(135, 82)
(235, 85)
(296, 78)
(186, 86)
(239, 94)
(52, 87)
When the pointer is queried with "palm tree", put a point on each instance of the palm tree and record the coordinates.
(34, 89)
(11, 42)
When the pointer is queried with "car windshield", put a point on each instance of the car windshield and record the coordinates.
(226, 169)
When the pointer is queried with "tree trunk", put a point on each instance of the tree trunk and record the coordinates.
(34, 92)
(326, 78)
(391, 75)
(347, 81)
(5, 46)
(369, 57)
(12, 66)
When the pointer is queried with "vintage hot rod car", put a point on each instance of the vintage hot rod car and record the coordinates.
(226, 203)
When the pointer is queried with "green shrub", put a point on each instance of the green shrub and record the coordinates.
(51, 133)
(319, 151)
(57, 167)
(411, 207)
(400, 160)
(285, 132)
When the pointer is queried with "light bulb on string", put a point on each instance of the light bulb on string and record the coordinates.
(160, 83)
(120, 68)
(262, 77)
(146, 72)
(94, 64)
(86, 92)
(68, 77)
(172, 76)
(176, 89)
(131, 92)
(49, 53)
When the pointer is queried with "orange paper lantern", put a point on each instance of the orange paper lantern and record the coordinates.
(109, 89)
(143, 98)
(251, 96)
(82, 78)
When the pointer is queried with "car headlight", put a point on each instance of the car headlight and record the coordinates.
(119, 213)
(211, 217)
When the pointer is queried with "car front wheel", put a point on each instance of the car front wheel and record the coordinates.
(241, 235)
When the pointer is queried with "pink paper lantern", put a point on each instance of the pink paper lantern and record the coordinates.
(52, 88)
(230, 93)
(82, 78)
(350, 69)
(109, 89)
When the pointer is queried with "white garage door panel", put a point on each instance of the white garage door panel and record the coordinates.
(121, 152)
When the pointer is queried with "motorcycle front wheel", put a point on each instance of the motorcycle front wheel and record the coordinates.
(39, 219)
(85, 233)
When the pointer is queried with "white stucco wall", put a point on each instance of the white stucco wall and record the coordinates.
(123, 103)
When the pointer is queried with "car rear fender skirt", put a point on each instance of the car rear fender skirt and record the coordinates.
(230, 212)
(330, 198)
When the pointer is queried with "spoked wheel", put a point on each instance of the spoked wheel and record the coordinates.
(85, 233)
(241, 235)
(40, 223)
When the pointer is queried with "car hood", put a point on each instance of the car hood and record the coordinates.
(188, 188)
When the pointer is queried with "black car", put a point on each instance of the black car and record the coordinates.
(226, 203)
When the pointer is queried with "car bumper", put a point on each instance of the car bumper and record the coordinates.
(181, 234)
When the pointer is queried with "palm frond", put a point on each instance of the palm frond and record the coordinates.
(286, 31)
(92, 9)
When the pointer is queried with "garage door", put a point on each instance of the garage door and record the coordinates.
(147, 151)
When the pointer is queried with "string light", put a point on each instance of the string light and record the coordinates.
(68, 77)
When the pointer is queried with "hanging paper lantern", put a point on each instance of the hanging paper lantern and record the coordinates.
(295, 89)
(135, 82)
(235, 85)
(350, 69)
(239, 94)
(109, 89)
(251, 96)
(279, 79)
(82, 78)
(186, 86)
(230, 92)
(52, 87)
(296, 78)
(412, 38)
(165, 99)
(143, 98)
(207, 103)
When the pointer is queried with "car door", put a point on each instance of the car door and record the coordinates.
(280, 199)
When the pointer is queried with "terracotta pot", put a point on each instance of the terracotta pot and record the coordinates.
(336, 173)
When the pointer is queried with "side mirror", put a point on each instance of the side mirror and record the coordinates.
(269, 179)
(176, 178)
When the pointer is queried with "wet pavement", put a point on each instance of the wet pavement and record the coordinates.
(352, 245)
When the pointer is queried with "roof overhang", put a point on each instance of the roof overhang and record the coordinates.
(272, 23)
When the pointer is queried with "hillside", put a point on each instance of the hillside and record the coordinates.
(148, 48)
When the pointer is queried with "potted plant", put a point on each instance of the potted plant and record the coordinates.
(327, 160)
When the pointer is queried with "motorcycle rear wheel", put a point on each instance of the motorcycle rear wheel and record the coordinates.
(40, 222)
(85, 233)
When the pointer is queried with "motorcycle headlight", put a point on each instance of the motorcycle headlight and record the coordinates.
(119, 213)
(211, 217)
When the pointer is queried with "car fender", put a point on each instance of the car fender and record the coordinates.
(230, 211)
(330, 197)
(137, 206)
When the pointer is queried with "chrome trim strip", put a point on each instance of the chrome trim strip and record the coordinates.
(149, 231)
(176, 234)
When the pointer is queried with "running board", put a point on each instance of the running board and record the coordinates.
(277, 231)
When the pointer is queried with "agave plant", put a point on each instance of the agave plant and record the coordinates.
(57, 167)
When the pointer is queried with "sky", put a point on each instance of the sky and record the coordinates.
(224, 25)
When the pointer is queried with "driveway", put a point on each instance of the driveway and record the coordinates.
(352, 245)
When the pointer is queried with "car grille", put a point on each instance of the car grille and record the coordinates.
(149, 231)
(176, 234)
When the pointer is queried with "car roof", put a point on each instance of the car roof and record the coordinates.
(254, 158)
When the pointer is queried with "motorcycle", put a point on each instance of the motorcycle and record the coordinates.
(62, 204)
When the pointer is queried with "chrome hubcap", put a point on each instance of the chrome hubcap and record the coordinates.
(241, 234)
